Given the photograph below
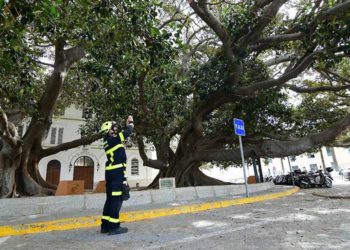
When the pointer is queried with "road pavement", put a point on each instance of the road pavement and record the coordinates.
(300, 221)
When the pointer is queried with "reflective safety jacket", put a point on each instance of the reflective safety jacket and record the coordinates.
(116, 156)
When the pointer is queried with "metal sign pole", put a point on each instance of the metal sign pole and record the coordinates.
(243, 164)
(291, 172)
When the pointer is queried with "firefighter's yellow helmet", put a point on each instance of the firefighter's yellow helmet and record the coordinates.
(106, 126)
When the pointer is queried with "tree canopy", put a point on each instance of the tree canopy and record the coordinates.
(184, 69)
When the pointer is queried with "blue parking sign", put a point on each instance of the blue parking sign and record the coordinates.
(238, 124)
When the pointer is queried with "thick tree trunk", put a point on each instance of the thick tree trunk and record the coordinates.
(155, 183)
(186, 172)
(195, 177)
(7, 176)
(28, 177)
(19, 158)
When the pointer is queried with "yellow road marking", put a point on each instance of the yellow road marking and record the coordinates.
(94, 221)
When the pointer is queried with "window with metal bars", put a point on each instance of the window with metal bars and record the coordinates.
(60, 136)
(53, 135)
(134, 167)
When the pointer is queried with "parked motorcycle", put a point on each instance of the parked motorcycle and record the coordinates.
(316, 179)
(287, 179)
(305, 179)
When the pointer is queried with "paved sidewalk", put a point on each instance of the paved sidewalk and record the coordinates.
(85, 219)
(299, 221)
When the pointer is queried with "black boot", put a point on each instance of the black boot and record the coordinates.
(119, 230)
(104, 230)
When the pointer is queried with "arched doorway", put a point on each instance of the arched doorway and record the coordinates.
(53, 172)
(84, 170)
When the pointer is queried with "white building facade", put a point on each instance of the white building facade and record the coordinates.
(337, 159)
(86, 162)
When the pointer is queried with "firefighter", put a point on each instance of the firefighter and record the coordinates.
(114, 174)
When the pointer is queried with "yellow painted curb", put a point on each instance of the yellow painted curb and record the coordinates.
(93, 221)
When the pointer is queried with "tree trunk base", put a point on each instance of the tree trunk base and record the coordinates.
(155, 183)
(194, 177)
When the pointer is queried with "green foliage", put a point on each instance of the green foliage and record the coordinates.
(144, 62)
(239, 19)
(133, 67)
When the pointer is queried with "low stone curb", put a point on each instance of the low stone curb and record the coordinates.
(56, 205)
(93, 221)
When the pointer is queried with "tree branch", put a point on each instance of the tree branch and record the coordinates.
(267, 42)
(338, 9)
(268, 15)
(8, 132)
(173, 19)
(43, 63)
(189, 39)
(318, 89)
(261, 3)
(69, 145)
(74, 54)
(275, 148)
(187, 57)
(339, 77)
(279, 59)
(290, 74)
(156, 164)
(281, 38)
(202, 11)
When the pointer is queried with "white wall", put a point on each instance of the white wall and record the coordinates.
(274, 167)
(304, 161)
(70, 122)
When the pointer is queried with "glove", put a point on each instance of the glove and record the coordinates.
(130, 121)
(125, 191)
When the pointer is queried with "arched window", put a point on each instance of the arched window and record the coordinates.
(84, 170)
(84, 161)
(53, 172)
(134, 167)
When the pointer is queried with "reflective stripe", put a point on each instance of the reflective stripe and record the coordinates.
(115, 166)
(124, 172)
(119, 193)
(111, 157)
(121, 136)
(105, 218)
(109, 151)
(114, 220)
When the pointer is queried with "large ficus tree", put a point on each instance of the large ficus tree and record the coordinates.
(200, 68)
(77, 37)
(262, 56)
(184, 70)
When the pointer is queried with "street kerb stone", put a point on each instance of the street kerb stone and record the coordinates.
(22, 207)
(94, 201)
(185, 194)
(205, 192)
(64, 204)
(138, 198)
(162, 196)
(221, 191)
(236, 189)
(260, 187)
(75, 203)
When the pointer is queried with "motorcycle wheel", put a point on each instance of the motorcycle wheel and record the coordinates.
(328, 183)
(304, 183)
